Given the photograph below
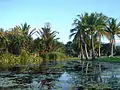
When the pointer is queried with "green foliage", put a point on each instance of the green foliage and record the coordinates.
(110, 59)
(53, 56)
(117, 50)
(47, 41)
(17, 46)
(73, 58)
(97, 87)
(9, 60)
(45, 57)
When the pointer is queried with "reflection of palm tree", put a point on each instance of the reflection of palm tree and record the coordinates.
(90, 73)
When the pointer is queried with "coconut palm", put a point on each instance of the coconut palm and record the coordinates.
(79, 36)
(87, 26)
(94, 23)
(102, 20)
(113, 28)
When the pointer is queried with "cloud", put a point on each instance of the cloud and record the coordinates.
(117, 41)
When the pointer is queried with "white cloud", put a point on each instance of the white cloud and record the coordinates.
(117, 41)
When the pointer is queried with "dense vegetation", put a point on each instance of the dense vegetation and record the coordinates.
(17, 45)
(88, 31)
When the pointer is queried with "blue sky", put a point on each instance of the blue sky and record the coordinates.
(60, 13)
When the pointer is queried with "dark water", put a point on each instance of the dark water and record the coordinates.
(71, 75)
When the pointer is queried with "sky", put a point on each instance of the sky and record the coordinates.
(60, 13)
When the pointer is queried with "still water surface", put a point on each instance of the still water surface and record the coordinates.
(64, 76)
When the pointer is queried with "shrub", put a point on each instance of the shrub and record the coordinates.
(9, 60)
(52, 56)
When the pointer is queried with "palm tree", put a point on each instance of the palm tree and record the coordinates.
(24, 28)
(94, 23)
(87, 26)
(102, 20)
(47, 38)
(26, 36)
(79, 37)
(113, 28)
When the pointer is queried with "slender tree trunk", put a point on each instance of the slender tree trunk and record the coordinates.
(82, 54)
(81, 48)
(112, 45)
(85, 48)
(99, 52)
(86, 52)
(93, 48)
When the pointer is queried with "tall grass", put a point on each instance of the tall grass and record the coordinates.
(10, 60)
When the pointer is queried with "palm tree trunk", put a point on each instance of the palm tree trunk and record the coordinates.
(86, 52)
(99, 52)
(112, 46)
(93, 48)
(81, 52)
(81, 47)
(85, 47)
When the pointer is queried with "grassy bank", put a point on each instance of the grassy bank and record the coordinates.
(110, 59)
(101, 59)
(72, 58)
(9, 60)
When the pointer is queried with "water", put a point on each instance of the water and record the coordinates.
(64, 76)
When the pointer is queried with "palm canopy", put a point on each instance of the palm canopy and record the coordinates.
(47, 38)
(46, 32)
(23, 28)
(87, 28)
(113, 28)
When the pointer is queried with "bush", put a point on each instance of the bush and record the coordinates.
(10, 60)
(53, 56)
(117, 51)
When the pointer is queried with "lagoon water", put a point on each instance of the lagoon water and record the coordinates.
(64, 76)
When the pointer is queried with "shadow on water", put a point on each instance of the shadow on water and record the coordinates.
(69, 75)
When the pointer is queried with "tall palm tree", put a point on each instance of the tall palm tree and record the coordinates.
(102, 20)
(79, 37)
(87, 25)
(94, 23)
(48, 38)
(113, 28)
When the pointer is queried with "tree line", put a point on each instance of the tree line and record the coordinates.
(20, 38)
(87, 31)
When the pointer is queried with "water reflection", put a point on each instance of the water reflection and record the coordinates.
(64, 76)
